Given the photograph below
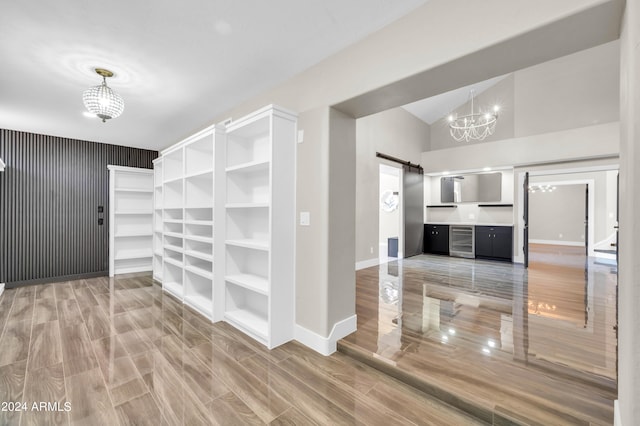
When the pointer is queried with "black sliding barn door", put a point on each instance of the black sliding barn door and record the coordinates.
(413, 209)
(525, 246)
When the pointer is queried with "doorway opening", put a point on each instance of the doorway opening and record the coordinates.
(571, 216)
(390, 224)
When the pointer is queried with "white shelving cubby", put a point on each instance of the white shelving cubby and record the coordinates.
(260, 225)
(157, 219)
(189, 185)
(131, 215)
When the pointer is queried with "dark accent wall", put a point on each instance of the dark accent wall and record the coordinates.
(49, 197)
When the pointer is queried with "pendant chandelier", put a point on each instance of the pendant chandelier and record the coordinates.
(474, 126)
(101, 100)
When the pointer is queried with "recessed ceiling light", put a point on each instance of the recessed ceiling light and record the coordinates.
(89, 114)
(487, 169)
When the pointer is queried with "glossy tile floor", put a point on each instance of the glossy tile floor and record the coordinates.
(120, 351)
(504, 343)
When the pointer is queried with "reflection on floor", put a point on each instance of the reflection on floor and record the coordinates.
(120, 351)
(492, 338)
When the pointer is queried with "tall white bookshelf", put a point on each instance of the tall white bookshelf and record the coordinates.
(131, 193)
(157, 220)
(189, 219)
(260, 225)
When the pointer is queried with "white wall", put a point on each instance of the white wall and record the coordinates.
(629, 267)
(397, 133)
(558, 216)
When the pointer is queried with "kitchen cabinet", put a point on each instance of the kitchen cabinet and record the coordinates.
(494, 242)
(436, 239)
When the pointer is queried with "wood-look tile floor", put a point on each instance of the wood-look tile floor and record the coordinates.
(508, 344)
(121, 352)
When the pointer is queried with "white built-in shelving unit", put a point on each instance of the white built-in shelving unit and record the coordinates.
(260, 225)
(186, 240)
(225, 238)
(157, 220)
(131, 207)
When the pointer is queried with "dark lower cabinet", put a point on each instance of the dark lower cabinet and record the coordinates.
(494, 242)
(436, 239)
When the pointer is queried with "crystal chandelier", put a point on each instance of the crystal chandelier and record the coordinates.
(101, 100)
(476, 125)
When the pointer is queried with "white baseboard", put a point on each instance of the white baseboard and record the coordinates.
(1, 289)
(326, 345)
(617, 420)
(558, 242)
(367, 263)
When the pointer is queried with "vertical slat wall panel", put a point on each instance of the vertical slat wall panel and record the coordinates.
(49, 197)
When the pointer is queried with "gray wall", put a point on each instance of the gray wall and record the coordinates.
(629, 267)
(574, 91)
(558, 215)
(49, 195)
(397, 133)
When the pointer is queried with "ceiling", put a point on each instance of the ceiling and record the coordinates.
(177, 64)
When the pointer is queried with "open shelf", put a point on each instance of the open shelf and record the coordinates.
(171, 227)
(247, 310)
(133, 181)
(251, 166)
(201, 267)
(172, 287)
(172, 193)
(199, 191)
(173, 214)
(199, 155)
(169, 260)
(248, 263)
(250, 187)
(248, 224)
(246, 205)
(172, 165)
(175, 241)
(205, 249)
(136, 264)
(132, 253)
(204, 215)
(250, 244)
(250, 282)
(133, 225)
(249, 143)
(198, 230)
(199, 292)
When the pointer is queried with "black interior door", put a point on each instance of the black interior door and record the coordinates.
(525, 246)
(586, 220)
(413, 208)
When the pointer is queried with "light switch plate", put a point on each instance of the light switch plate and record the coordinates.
(305, 219)
(300, 136)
